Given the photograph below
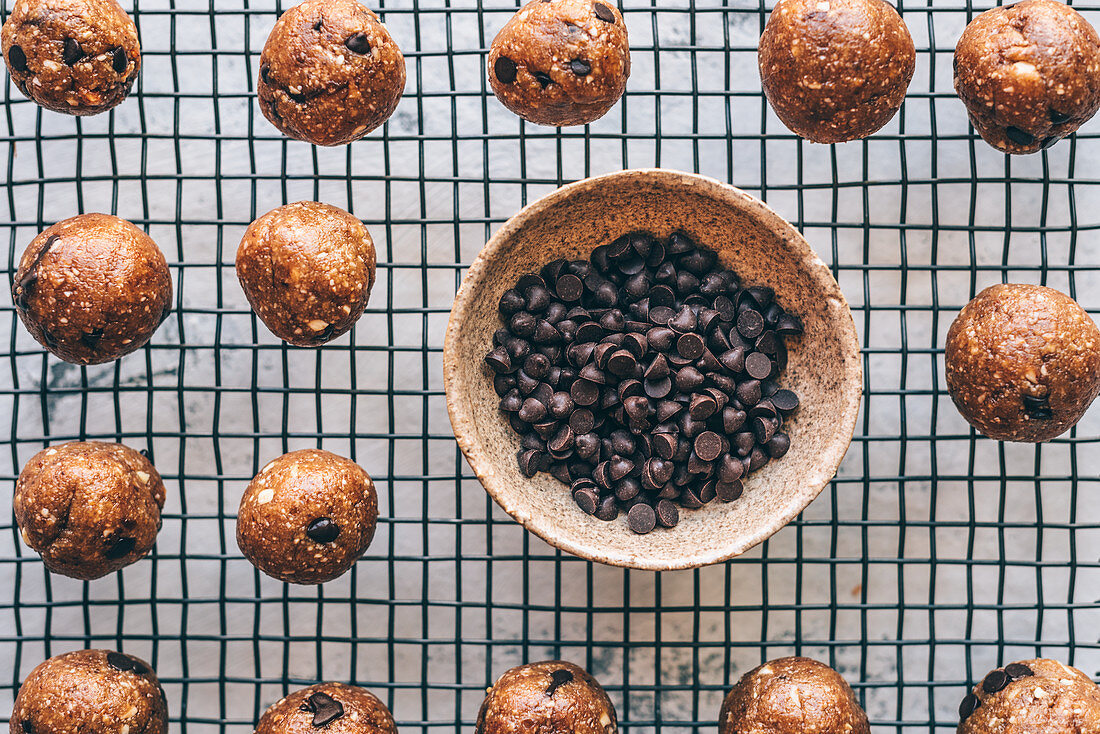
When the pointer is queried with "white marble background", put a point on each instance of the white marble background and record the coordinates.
(932, 558)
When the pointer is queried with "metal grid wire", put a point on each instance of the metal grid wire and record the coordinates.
(934, 556)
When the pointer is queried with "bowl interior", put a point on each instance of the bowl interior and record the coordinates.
(823, 368)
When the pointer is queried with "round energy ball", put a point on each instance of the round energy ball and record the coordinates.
(1032, 696)
(92, 288)
(792, 695)
(551, 696)
(90, 691)
(561, 63)
(79, 57)
(1029, 74)
(89, 508)
(835, 70)
(329, 72)
(335, 707)
(307, 517)
(307, 269)
(1023, 362)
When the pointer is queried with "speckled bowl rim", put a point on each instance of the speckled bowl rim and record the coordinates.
(459, 406)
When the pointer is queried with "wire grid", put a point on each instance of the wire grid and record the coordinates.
(934, 556)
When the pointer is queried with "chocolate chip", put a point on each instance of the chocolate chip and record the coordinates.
(325, 708)
(778, 446)
(358, 43)
(91, 338)
(729, 491)
(708, 445)
(543, 79)
(604, 13)
(587, 499)
(641, 518)
(1059, 118)
(317, 24)
(1037, 407)
(750, 324)
(124, 663)
(558, 679)
(1016, 671)
(968, 706)
(70, 52)
(667, 514)
(995, 681)
(785, 401)
(28, 727)
(1020, 137)
(120, 60)
(17, 59)
(758, 365)
(121, 548)
(690, 346)
(505, 70)
(580, 67)
(569, 288)
(322, 530)
(1050, 141)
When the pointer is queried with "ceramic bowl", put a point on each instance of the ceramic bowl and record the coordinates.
(824, 366)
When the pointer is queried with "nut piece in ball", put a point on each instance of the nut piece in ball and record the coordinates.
(92, 288)
(551, 696)
(835, 70)
(88, 508)
(334, 707)
(79, 57)
(561, 63)
(1032, 696)
(307, 269)
(329, 72)
(792, 696)
(307, 517)
(1023, 362)
(90, 691)
(1029, 74)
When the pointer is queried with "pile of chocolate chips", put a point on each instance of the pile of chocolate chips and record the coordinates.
(645, 378)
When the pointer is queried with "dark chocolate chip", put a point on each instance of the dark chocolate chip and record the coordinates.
(604, 13)
(968, 706)
(995, 681)
(121, 548)
(318, 24)
(641, 518)
(70, 52)
(558, 679)
(778, 446)
(91, 338)
(120, 60)
(358, 43)
(28, 727)
(543, 79)
(667, 514)
(758, 365)
(1018, 670)
(17, 58)
(325, 708)
(785, 401)
(123, 663)
(1059, 118)
(1018, 136)
(505, 70)
(323, 530)
(1037, 407)
(750, 324)
(587, 499)
(580, 67)
(708, 445)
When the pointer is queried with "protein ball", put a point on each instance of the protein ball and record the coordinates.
(88, 508)
(552, 696)
(334, 707)
(792, 695)
(1023, 362)
(92, 288)
(90, 691)
(1032, 696)
(79, 57)
(835, 70)
(329, 72)
(561, 63)
(1029, 74)
(307, 517)
(307, 269)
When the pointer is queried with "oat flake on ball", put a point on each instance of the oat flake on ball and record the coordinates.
(330, 72)
(307, 517)
(307, 269)
(92, 288)
(561, 63)
(835, 70)
(1023, 362)
(79, 57)
(1029, 74)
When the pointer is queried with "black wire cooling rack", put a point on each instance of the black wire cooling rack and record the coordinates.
(934, 556)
